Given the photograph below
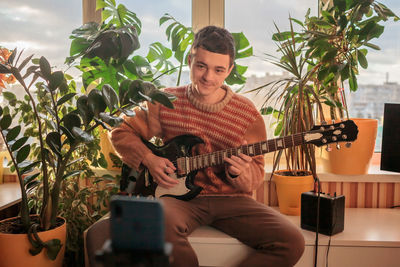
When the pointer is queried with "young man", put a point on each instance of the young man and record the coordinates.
(210, 110)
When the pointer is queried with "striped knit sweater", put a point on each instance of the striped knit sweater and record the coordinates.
(223, 125)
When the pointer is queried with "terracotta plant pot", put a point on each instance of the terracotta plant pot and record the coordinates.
(289, 189)
(356, 159)
(14, 248)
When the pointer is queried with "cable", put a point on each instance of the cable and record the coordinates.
(327, 251)
(316, 180)
(317, 230)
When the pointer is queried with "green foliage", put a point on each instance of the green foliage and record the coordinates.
(82, 206)
(55, 121)
(320, 58)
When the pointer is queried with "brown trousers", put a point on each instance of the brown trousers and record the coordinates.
(277, 241)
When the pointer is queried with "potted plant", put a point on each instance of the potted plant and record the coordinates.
(320, 58)
(42, 144)
(337, 41)
(292, 102)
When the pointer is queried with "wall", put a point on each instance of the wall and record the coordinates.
(357, 194)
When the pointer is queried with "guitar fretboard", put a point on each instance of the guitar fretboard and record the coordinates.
(263, 147)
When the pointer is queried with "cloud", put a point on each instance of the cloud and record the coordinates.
(40, 27)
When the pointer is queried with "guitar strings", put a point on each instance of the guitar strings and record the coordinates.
(257, 147)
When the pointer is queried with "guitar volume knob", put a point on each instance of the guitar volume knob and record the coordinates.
(334, 138)
(344, 136)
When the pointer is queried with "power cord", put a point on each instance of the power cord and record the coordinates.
(327, 252)
(317, 226)
(318, 189)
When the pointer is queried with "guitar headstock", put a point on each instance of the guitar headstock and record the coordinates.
(344, 131)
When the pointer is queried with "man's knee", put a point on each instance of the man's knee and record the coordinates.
(296, 246)
(285, 251)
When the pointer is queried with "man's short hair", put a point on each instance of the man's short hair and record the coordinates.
(217, 40)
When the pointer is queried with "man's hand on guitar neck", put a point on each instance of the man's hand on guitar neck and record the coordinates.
(159, 169)
(238, 164)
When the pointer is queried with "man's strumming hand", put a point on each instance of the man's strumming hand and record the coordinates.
(159, 169)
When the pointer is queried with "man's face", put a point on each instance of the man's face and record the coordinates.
(208, 71)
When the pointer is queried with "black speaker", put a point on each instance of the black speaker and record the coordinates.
(390, 152)
(331, 213)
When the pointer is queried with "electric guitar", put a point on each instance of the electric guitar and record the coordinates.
(178, 151)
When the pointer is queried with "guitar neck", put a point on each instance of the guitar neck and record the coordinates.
(217, 158)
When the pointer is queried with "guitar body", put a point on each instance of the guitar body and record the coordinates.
(180, 146)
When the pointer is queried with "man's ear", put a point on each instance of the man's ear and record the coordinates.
(189, 60)
(231, 68)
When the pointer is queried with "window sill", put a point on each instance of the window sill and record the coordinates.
(374, 175)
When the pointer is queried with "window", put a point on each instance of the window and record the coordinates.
(380, 82)
(149, 13)
(40, 27)
(256, 20)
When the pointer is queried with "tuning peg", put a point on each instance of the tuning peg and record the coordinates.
(328, 148)
(332, 127)
(338, 146)
(348, 145)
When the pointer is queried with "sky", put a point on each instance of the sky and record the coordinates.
(258, 26)
(42, 27)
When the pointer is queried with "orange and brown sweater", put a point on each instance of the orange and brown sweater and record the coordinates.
(223, 125)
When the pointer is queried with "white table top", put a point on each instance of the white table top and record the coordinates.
(10, 193)
(362, 227)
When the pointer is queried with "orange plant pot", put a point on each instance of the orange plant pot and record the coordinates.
(356, 159)
(289, 189)
(14, 248)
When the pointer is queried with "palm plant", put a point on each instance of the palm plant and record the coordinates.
(292, 100)
(320, 58)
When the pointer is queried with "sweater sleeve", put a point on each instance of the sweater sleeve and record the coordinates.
(126, 138)
(250, 181)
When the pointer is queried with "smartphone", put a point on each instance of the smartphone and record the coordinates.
(137, 224)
